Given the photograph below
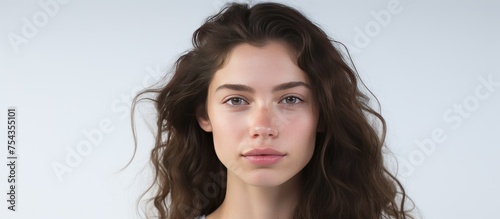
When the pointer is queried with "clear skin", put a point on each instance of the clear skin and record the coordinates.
(260, 99)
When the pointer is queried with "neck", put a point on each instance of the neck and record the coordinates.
(250, 202)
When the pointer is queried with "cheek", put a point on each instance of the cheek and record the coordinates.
(303, 122)
(228, 125)
(228, 132)
(302, 129)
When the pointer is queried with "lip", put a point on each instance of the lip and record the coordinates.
(265, 156)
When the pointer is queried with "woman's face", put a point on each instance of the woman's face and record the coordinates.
(262, 113)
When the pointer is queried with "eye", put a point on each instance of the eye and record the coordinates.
(236, 101)
(291, 100)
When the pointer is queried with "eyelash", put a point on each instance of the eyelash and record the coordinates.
(228, 101)
(297, 100)
(232, 99)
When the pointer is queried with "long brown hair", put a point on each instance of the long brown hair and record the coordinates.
(346, 177)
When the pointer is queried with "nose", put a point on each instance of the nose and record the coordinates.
(263, 123)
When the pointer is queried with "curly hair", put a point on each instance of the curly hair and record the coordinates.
(346, 177)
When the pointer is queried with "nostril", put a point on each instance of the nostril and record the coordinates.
(264, 132)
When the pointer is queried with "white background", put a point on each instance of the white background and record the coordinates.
(86, 59)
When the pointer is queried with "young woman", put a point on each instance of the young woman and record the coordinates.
(263, 119)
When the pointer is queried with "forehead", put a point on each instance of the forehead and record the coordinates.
(271, 49)
(271, 63)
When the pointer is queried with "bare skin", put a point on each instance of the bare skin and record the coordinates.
(260, 100)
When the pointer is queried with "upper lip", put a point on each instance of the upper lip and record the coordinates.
(263, 152)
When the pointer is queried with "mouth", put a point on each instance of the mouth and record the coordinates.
(263, 157)
(263, 152)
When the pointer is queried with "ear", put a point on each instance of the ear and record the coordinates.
(202, 118)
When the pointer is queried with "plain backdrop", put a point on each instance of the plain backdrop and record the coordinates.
(71, 68)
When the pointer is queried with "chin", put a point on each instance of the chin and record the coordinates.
(267, 179)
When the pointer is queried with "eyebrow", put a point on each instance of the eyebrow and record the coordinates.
(245, 88)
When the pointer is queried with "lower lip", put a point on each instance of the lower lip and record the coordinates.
(264, 159)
